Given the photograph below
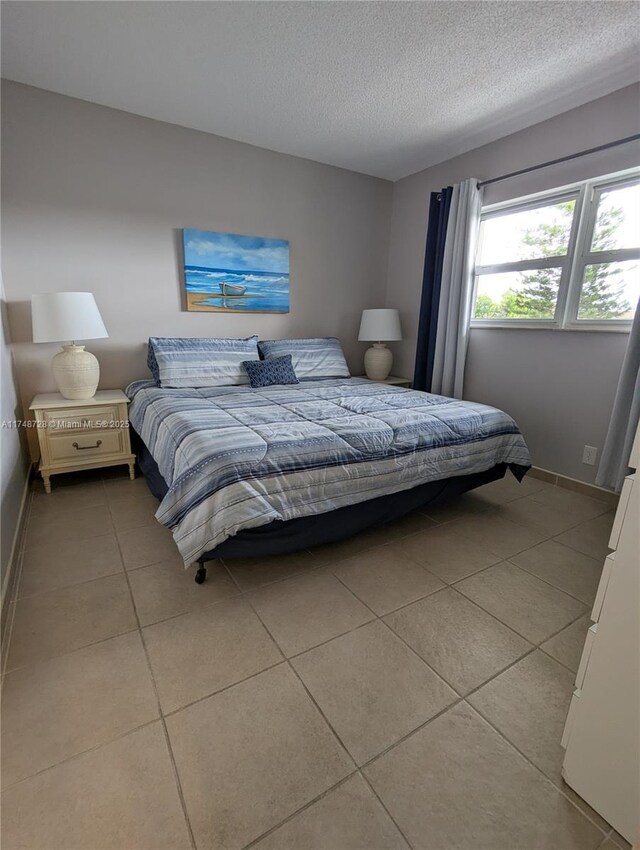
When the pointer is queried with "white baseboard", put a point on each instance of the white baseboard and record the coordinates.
(15, 560)
(591, 490)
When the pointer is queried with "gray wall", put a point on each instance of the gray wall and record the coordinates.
(93, 199)
(13, 462)
(559, 385)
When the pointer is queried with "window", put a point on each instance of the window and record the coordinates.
(568, 258)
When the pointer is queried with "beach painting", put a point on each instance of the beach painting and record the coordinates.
(230, 273)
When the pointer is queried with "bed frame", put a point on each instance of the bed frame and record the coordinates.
(281, 537)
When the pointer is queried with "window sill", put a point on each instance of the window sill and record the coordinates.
(549, 326)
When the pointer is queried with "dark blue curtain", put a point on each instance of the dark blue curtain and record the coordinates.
(439, 204)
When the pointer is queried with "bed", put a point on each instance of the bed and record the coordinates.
(242, 471)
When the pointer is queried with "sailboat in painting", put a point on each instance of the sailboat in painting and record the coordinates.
(232, 289)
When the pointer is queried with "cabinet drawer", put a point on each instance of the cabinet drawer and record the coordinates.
(84, 446)
(82, 419)
(621, 511)
(571, 716)
(586, 653)
(609, 563)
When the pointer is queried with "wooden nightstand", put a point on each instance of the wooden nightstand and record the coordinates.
(77, 434)
(394, 380)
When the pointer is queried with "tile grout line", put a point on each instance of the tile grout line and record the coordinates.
(461, 699)
(142, 725)
(284, 659)
(373, 790)
(329, 725)
(17, 598)
(172, 760)
(552, 657)
(495, 509)
(223, 690)
(464, 699)
(615, 842)
(431, 718)
(239, 595)
(69, 651)
(458, 701)
(302, 573)
(524, 569)
(376, 617)
(508, 740)
(81, 753)
(515, 631)
(533, 646)
(306, 806)
(380, 618)
(295, 673)
(530, 651)
(123, 568)
(328, 565)
(82, 583)
(535, 575)
(302, 652)
(535, 766)
(500, 558)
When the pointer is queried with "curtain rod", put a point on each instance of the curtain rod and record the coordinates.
(560, 159)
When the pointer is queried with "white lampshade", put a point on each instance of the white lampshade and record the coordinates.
(66, 316)
(380, 326)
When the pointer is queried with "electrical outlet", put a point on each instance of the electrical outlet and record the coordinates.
(589, 455)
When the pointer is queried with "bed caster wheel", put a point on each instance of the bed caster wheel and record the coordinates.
(201, 574)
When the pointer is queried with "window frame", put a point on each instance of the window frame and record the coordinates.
(587, 194)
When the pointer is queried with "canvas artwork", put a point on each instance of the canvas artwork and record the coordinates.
(229, 273)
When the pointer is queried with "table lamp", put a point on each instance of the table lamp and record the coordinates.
(379, 326)
(66, 317)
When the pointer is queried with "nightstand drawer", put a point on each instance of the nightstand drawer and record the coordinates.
(83, 446)
(81, 419)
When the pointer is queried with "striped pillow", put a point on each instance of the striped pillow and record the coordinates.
(311, 358)
(183, 362)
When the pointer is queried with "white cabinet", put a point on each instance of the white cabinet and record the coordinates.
(602, 733)
(76, 434)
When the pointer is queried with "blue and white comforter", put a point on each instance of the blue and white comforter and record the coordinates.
(236, 458)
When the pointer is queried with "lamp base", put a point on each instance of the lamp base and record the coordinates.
(377, 361)
(76, 371)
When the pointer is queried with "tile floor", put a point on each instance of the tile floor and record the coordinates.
(404, 688)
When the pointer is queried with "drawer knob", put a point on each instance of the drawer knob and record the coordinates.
(80, 448)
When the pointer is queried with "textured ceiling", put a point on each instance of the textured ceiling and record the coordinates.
(386, 88)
